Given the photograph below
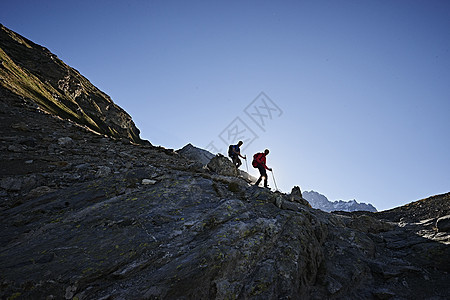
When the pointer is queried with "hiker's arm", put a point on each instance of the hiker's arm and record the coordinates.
(265, 166)
(238, 153)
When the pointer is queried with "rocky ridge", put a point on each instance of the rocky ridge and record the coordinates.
(319, 201)
(40, 78)
(87, 216)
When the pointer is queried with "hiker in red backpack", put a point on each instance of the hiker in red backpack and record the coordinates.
(259, 162)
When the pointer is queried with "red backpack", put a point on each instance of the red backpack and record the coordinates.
(256, 159)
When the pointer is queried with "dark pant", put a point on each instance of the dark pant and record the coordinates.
(262, 172)
(236, 161)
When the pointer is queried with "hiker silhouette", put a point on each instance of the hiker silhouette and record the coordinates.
(234, 151)
(259, 162)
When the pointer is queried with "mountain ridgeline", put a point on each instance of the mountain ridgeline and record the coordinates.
(90, 211)
(319, 201)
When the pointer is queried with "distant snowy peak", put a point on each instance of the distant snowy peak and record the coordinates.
(319, 201)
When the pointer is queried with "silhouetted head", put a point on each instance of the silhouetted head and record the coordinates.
(240, 143)
(266, 151)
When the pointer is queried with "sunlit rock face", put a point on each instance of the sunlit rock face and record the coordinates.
(91, 216)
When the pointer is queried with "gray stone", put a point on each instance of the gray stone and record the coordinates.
(64, 141)
(148, 181)
(223, 166)
(197, 154)
(103, 171)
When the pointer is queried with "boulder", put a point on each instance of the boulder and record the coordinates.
(222, 166)
(196, 154)
(443, 224)
(296, 192)
(296, 196)
(247, 177)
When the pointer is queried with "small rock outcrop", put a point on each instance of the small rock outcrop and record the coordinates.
(296, 196)
(223, 166)
(196, 154)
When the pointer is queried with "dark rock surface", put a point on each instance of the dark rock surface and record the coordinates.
(88, 216)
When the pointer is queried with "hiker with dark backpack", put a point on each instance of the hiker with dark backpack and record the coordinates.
(234, 151)
(259, 162)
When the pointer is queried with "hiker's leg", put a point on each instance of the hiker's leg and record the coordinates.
(265, 177)
(261, 173)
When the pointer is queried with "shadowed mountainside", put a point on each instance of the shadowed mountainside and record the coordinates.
(89, 216)
(38, 76)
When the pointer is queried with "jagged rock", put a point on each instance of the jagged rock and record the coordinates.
(296, 192)
(223, 166)
(443, 223)
(200, 155)
(296, 196)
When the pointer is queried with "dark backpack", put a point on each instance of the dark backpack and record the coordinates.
(230, 151)
(255, 160)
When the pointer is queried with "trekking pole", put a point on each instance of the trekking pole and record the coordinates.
(273, 177)
(246, 164)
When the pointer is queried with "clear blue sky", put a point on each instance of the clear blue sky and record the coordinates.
(359, 90)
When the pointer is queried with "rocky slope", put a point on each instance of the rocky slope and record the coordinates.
(89, 216)
(319, 201)
(40, 78)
